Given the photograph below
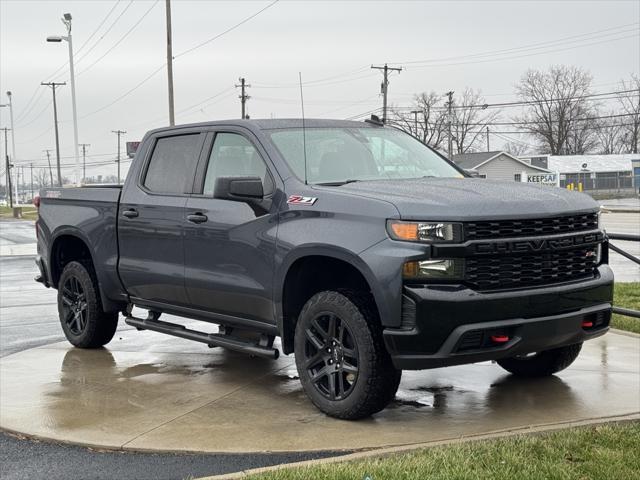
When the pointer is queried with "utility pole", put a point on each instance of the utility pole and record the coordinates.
(172, 120)
(84, 160)
(450, 109)
(488, 148)
(49, 161)
(118, 132)
(385, 87)
(31, 175)
(7, 166)
(243, 97)
(415, 120)
(53, 86)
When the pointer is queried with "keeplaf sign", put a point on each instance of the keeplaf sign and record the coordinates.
(551, 179)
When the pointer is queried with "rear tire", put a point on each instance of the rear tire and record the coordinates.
(341, 358)
(83, 321)
(542, 364)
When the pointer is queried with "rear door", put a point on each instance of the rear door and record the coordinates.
(229, 258)
(151, 219)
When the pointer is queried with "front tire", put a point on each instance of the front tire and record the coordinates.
(83, 321)
(542, 364)
(342, 362)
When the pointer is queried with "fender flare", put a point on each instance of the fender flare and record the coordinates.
(77, 233)
(324, 250)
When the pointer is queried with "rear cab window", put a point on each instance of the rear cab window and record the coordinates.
(171, 167)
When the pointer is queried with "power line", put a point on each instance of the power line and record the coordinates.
(312, 82)
(155, 72)
(515, 57)
(121, 39)
(86, 42)
(109, 28)
(538, 45)
(28, 106)
(633, 92)
(230, 29)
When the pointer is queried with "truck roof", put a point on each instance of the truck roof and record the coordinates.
(273, 124)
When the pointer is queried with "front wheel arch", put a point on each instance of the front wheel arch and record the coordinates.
(309, 274)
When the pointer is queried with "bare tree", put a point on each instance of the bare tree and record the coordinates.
(582, 131)
(630, 103)
(556, 105)
(41, 177)
(516, 149)
(428, 123)
(470, 120)
(610, 133)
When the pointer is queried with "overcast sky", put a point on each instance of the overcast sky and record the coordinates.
(438, 44)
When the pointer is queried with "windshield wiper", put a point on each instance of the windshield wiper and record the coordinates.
(337, 184)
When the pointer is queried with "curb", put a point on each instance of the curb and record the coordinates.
(388, 451)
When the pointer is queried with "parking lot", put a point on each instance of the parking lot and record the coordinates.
(151, 392)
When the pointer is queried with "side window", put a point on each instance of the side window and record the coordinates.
(233, 155)
(172, 160)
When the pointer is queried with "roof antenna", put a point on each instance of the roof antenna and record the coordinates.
(304, 134)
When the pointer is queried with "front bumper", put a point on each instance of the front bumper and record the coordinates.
(451, 325)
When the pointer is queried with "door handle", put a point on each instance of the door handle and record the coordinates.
(131, 213)
(197, 218)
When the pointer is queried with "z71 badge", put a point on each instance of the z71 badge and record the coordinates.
(300, 200)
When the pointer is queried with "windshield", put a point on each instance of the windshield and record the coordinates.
(339, 155)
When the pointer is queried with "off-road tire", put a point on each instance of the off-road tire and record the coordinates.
(377, 379)
(98, 326)
(542, 364)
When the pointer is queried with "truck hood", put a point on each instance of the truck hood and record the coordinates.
(468, 198)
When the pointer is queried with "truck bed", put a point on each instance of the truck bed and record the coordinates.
(89, 213)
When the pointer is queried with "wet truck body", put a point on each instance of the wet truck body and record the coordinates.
(365, 251)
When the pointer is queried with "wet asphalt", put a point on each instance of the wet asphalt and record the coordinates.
(28, 319)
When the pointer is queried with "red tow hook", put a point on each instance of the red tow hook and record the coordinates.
(499, 338)
(587, 324)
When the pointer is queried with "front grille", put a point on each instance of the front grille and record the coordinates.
(530, 227)
(515, 271)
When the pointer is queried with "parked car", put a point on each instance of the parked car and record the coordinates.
(364, 250)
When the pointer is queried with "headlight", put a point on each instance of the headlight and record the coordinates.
(443, 269)
(424, 231)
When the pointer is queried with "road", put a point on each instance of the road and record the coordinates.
(624, 269)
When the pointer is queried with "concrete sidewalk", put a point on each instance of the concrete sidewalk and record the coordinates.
(155, 393)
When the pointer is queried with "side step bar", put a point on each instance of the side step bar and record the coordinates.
(211, 339)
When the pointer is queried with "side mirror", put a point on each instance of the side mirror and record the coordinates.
(238, 188)
(472, 173)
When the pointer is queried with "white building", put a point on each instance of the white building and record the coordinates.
(594, 172)
(497, 165)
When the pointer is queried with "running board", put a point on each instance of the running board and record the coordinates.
(211, 339)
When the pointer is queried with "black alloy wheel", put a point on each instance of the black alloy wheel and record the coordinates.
(331, 356)
(83, 320)
(74, 305)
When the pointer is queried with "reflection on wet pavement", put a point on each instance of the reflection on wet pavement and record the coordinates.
(154, 392)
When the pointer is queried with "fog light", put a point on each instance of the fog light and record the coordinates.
(445, 269)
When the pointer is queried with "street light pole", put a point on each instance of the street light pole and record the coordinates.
(66, 19)
(13, 137)
(8, 167)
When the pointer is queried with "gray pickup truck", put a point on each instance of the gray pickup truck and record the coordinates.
(364, 250)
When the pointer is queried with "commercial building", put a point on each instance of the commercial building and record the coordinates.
(602, 173)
